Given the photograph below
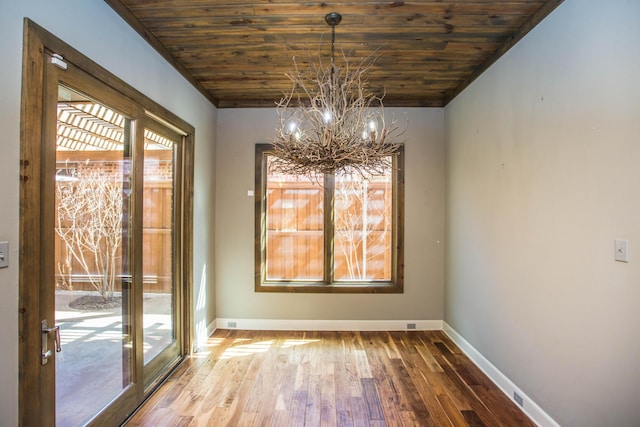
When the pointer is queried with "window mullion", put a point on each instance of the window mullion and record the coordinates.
(329, 185)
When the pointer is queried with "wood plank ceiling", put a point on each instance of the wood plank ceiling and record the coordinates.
(237, 52)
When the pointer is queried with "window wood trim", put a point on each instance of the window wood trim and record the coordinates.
(395, 285)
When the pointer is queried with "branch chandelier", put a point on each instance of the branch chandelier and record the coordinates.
(331, 122)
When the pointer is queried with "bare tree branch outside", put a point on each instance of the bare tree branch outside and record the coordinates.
(89, 223)
(362, 223)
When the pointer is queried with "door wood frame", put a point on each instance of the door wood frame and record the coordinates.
(37, 41)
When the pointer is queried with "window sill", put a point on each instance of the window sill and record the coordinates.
(337, 287)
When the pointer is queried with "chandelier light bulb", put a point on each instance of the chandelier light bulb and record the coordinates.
(327, 117)
(291, 127)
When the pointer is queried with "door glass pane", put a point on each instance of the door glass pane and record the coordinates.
(157, 243)
(91, 256)
(294, 227)
(363, 219)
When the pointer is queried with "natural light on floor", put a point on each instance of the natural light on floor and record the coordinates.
(240, 349)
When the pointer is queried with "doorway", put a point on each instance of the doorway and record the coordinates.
(105, 266)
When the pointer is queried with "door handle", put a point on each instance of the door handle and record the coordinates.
(46, 330)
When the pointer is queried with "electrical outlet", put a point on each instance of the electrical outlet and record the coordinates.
(411, 325)
(232, 325)
(518, 399)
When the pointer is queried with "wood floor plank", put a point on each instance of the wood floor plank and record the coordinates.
(488, 416)
(342, 380)
(390, 392)
(343, 418)
(472, 419)
(372, 399)
(314, 402)
(360, 411)
(417, 403)
(347, 379)
(328, 396)
(426, 355)
(151, 417)
(504, 410)
(430, 398)
(453, 414)
(298, 408)
(217, 417)
(280, 418)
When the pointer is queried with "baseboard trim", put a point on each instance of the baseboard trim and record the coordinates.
(201, 335)
(328, 325)
(211, 328)
(529, 407)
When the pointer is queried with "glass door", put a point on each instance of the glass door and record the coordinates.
(105, 232)
(93, 268)
(161, 212)
(92, 259)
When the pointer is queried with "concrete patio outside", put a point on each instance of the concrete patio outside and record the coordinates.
(89, 370)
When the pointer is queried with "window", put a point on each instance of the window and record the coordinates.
(331, 233)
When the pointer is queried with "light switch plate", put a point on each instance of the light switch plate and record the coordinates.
(622, 250)
(4, 254)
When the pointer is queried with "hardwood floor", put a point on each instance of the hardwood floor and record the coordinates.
(276, 378)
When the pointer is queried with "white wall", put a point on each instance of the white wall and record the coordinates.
(238, 132)
(96, 31)
(543, 173)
